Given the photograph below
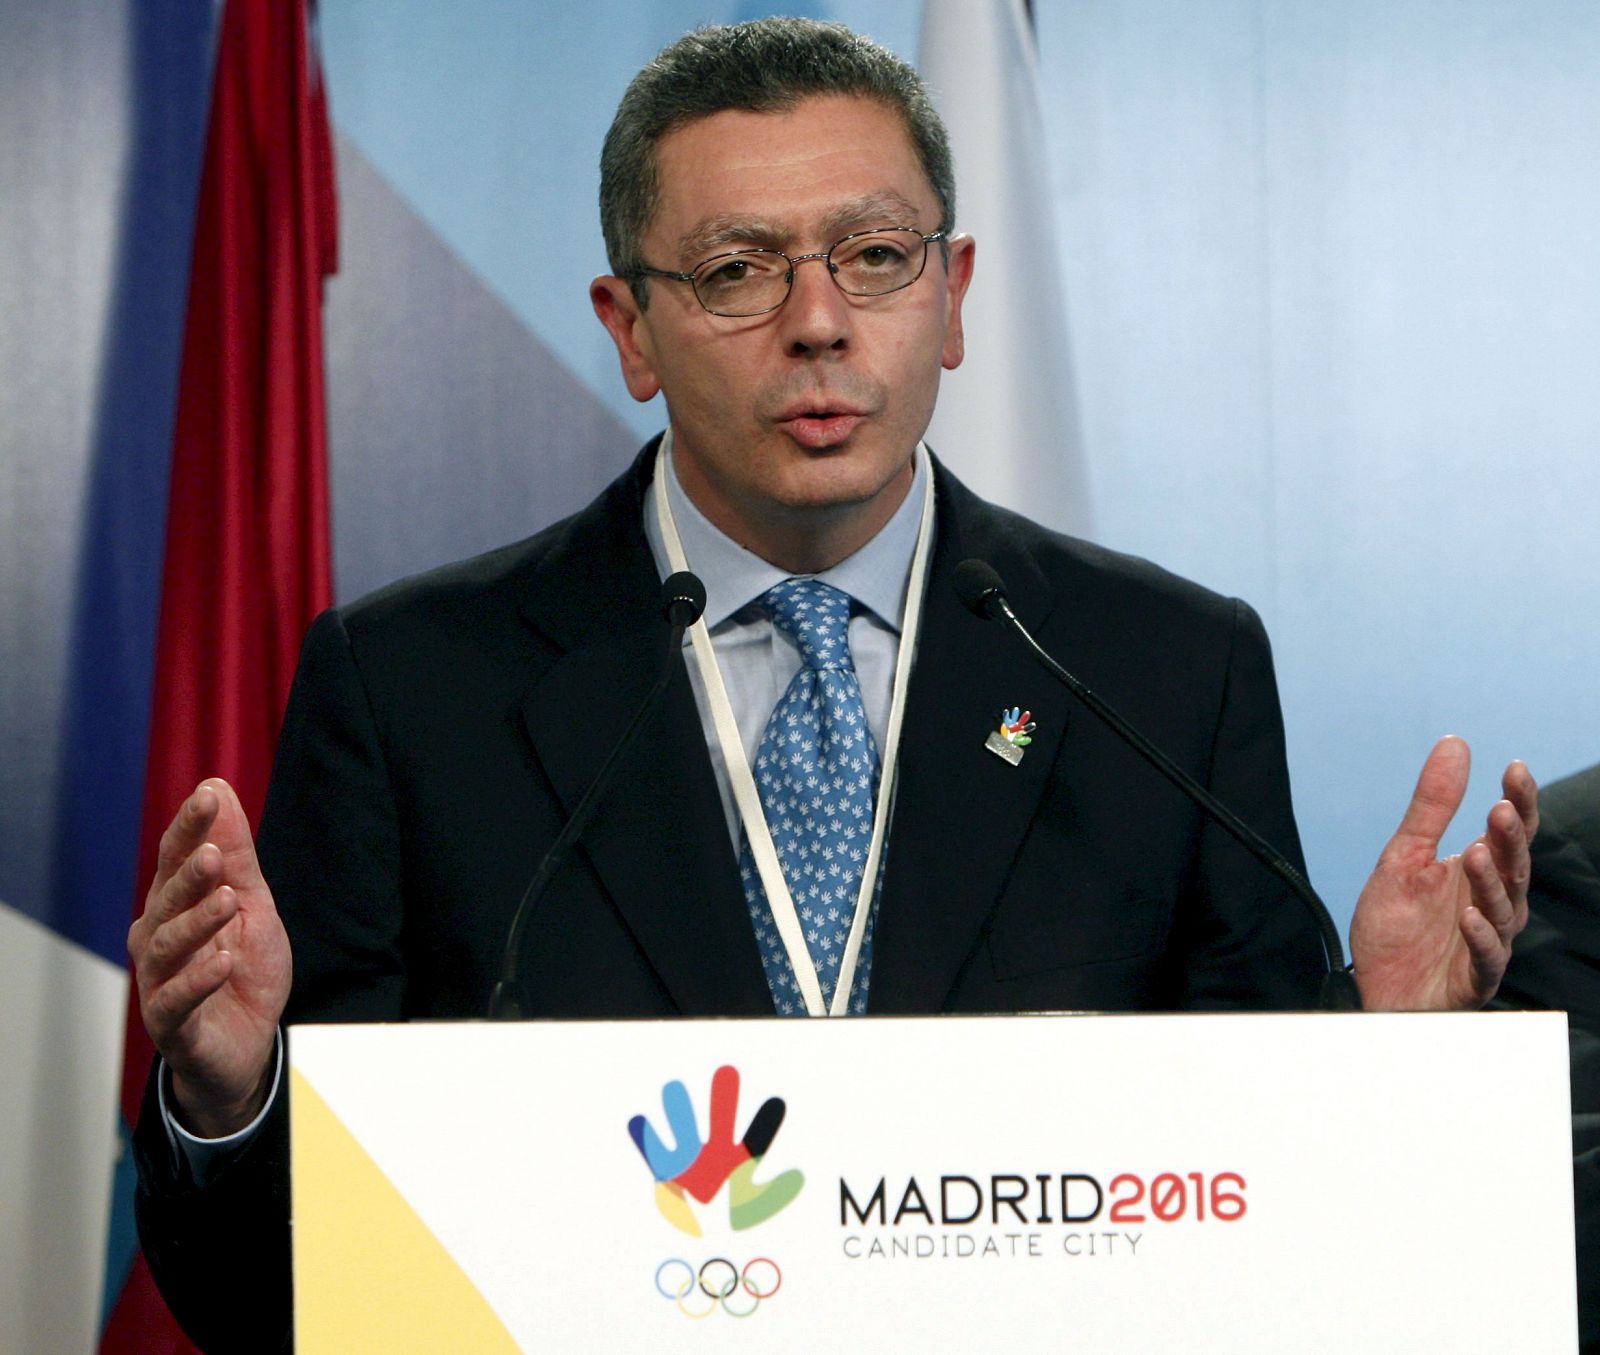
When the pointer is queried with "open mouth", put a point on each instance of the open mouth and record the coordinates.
(821, 427)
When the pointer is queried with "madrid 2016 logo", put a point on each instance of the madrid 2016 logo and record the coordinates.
(696, 1167)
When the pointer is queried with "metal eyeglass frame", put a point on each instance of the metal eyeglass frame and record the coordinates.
(933, 237)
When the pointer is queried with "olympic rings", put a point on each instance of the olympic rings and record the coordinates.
(777, 1278)
(721, 1289)
(687, 1285)
(689, 1312)
(729, 1287)
(739, 1312)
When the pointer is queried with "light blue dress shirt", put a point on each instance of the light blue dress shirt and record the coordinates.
(756, 659)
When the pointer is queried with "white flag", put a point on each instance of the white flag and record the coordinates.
(1006, 419)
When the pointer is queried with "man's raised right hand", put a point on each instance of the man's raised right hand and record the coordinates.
(211, 959)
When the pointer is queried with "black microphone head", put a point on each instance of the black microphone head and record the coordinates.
(979, 588)
(683, 598)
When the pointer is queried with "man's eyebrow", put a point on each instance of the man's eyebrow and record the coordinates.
(885, 208)
(728, 231)
(732, 231)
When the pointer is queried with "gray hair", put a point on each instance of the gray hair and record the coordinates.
(765, 66)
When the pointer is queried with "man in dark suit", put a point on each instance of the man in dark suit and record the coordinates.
(1557, 963)
(778, 209)
(1557, 966)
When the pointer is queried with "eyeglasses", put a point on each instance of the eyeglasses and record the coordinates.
(746, 282)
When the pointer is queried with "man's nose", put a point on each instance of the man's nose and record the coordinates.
(817, 316)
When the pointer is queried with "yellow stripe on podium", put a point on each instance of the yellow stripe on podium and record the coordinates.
(368, 1273)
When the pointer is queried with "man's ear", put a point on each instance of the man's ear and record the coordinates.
(957, 277)
(619, 312)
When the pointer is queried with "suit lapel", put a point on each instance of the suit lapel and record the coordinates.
(960, 812)
(657, 842)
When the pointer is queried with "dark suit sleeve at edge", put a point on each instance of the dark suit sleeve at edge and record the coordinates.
(220, 1256)
(1556, 964)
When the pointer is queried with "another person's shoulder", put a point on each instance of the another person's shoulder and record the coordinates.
(1570, 809)
(1556, 960)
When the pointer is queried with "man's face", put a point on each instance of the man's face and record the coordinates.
(793, 431)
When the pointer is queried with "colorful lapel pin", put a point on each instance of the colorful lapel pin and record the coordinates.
(1016, 726)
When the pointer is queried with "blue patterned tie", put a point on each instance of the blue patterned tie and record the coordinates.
(817, 773)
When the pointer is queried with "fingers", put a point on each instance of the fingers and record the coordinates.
(195, 878)
(1440, 789)
(1518, 786)
(208, 841)
(1488, 953)
(187, 830)
(1492, 920)
(1506, 841)
(211, 813)
(168, 1006)
(173, 944)
(1488, 888)
(173, 974)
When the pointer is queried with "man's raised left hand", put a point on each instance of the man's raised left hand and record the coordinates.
(1431, 934)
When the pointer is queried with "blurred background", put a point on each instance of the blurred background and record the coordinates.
(1328, 338)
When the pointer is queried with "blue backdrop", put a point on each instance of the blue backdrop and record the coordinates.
(1333, 299)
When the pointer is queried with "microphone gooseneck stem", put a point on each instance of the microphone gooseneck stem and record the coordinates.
(1339, 992)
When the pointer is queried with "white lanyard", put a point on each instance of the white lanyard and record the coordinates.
(743, 783)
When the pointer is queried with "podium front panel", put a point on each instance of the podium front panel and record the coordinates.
(1225, 1183)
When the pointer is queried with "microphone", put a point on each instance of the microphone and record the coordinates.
(683, 599)
(981, 591)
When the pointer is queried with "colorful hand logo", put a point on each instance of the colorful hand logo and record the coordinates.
(1016, 725)
(699, 1167)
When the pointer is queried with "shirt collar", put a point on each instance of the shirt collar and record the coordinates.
(876, 576)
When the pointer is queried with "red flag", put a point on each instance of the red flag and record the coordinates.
(247, 543)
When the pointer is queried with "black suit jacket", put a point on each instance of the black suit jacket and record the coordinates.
(1556, 964)
(1557, 959)
(441, 730)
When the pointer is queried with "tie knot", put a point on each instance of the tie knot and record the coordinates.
(816, 616)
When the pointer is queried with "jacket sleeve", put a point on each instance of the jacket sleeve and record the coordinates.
(219, 1255)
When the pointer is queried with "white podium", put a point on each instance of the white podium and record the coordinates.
(1229, 1183)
